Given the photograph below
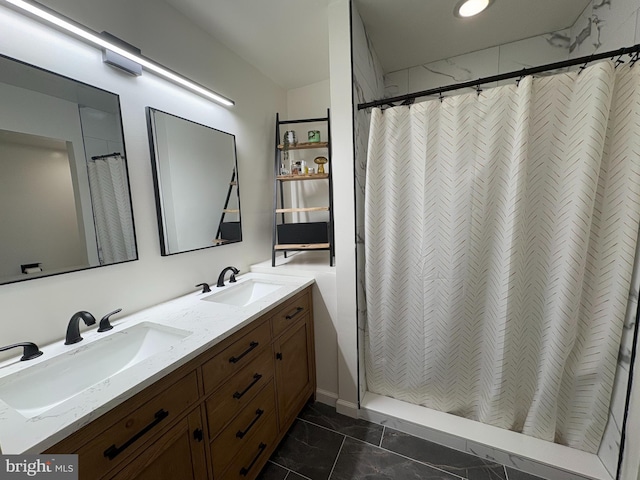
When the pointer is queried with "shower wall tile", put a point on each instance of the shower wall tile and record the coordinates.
(530, 52)
(610, 447)
(580, 32)
(604, 25)
(368, 85)
(462, 68)
(611, 16)
(396, 83)
(622, 35)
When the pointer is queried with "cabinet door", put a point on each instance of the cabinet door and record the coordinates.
(294, 369)
(178, 454)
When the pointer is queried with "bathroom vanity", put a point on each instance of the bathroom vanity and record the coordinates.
(217, 412)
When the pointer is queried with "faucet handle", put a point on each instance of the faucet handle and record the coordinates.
(232, 278)
(205, 287)
(30, 350)
(105, 326)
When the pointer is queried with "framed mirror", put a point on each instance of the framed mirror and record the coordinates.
(195, 176)
(65, 202)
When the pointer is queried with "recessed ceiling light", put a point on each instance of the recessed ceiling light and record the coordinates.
(469, 8)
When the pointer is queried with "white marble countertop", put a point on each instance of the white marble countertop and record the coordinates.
(209, 323)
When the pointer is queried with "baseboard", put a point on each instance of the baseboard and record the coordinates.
(326, 397)
(347, 408)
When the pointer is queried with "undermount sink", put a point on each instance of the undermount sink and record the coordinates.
(37, 389)
(243, 294)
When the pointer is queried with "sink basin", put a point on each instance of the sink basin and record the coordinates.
(37, 389)
(243, 294)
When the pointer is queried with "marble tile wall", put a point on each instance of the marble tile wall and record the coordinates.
(530, 52)
(368, 85)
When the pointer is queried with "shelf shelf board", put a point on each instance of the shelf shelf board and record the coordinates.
(302, 246)
(305, 145)
(297, 178)
(231, 210)
(302, 209)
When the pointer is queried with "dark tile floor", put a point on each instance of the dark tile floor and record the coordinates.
(324, 445)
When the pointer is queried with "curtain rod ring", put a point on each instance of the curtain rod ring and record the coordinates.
(478, 89)
(585, 64)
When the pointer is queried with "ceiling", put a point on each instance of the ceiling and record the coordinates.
(287, 40)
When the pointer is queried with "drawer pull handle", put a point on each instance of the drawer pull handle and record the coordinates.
(259, 413)
(245, 470)
(291, 315)
(252, 345)
(198, 434)
(256, 379)
(113, 451)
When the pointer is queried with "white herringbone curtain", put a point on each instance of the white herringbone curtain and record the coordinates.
(112, 209)
(500, 241)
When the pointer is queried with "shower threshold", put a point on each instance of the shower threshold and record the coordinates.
(522, 452)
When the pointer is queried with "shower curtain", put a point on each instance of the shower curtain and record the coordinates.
(111, 209)
(500, 240)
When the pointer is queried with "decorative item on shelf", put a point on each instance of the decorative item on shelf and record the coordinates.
(312, 171)
(290, 139)
(320, 161)
(314, 136)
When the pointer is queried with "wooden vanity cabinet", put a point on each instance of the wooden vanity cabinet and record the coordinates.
(176, 454)
(218, 417)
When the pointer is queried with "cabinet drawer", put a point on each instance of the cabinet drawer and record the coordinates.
(124, 436)
(238, 392)
(239, 432)
(250, 460)
(235, 357)
(291, 312)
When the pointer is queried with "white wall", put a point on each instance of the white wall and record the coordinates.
(167, 37)
(311, 101)
(342, 142)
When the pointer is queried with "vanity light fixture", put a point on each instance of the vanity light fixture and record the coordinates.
(52, 17)
(469, 8)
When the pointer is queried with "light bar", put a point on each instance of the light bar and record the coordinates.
(95, 39)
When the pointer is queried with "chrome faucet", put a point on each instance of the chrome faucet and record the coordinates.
(30, 351)
(232, 279)
(73, 329)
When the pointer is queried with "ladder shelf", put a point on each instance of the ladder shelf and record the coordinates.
(290, 234)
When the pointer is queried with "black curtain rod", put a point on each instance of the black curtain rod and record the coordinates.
(99, 157)
(505, 76)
